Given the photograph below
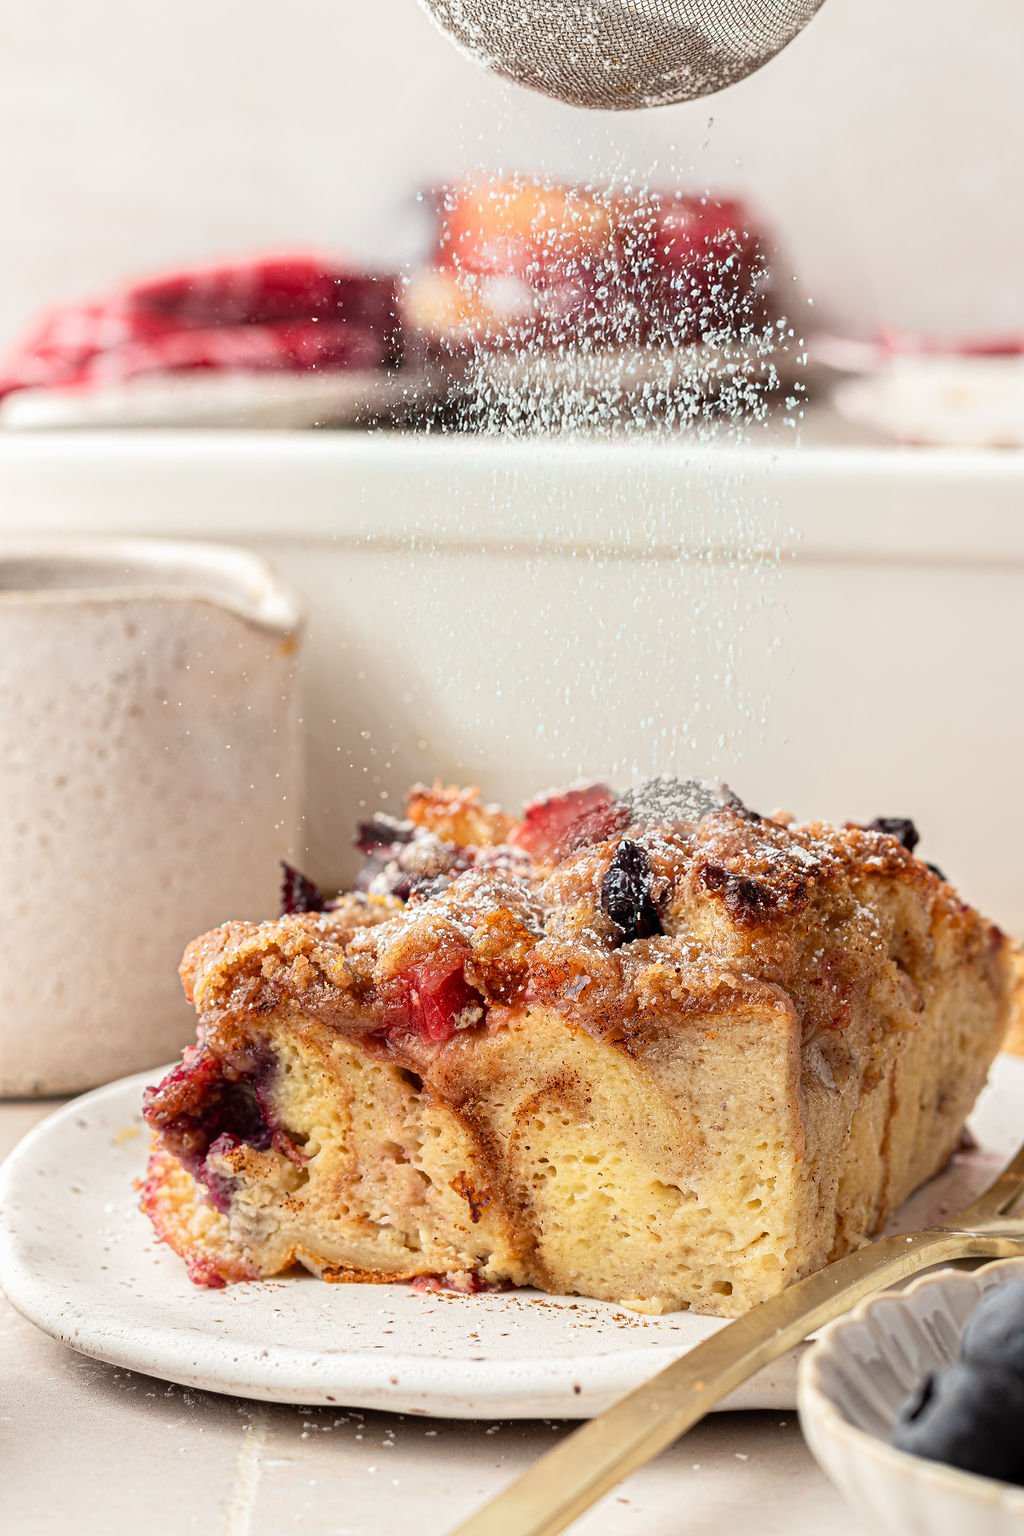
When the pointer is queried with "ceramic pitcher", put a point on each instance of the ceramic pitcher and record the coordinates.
(150, 780)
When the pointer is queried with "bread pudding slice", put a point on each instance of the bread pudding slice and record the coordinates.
(1015, 1036)
(652, 1048)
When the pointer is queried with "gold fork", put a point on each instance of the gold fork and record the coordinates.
(594, 1458)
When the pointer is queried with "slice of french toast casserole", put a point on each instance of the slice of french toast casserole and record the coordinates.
(652, 1048)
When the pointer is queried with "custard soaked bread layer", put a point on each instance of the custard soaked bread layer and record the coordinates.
(651, 1048)
(1015, 1036)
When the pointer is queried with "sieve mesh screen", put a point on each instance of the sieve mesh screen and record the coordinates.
(623, 53)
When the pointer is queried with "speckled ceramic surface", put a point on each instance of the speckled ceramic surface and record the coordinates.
(852, 1385)
(78, 1259)
(150, 779)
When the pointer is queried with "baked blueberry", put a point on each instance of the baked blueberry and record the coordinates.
(626, 893)
(995, 1330)
(968, 1417)
(899, 827)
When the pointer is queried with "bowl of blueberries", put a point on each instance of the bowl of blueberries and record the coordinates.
(913, 1404)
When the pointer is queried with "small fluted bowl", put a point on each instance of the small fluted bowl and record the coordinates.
(850, 1389)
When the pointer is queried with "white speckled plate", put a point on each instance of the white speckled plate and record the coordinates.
(80, 1261)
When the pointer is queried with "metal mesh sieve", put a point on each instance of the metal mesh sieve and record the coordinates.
(623, 53)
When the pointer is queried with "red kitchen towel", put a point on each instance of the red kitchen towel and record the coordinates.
(287, 313)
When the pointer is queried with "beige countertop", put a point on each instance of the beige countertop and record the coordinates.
(89, 1448)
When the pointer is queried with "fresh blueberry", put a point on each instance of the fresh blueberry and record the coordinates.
(968, 1417)
(995, 1330)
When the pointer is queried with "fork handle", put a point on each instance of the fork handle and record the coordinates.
(594, 1458)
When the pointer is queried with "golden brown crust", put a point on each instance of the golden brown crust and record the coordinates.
(458, 816)
(791, 907)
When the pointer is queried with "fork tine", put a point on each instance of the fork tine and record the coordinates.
(1000, 1196)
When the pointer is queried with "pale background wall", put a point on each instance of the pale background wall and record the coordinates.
(886, 143)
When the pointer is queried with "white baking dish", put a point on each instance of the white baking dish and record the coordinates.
(836, 630)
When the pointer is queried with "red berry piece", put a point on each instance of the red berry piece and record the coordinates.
(555, 825)
(202, 1271)
(433, 1000)
(382, 831)
(464, 1282)
(298, 893)
(705, 269)
(197, 1109)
